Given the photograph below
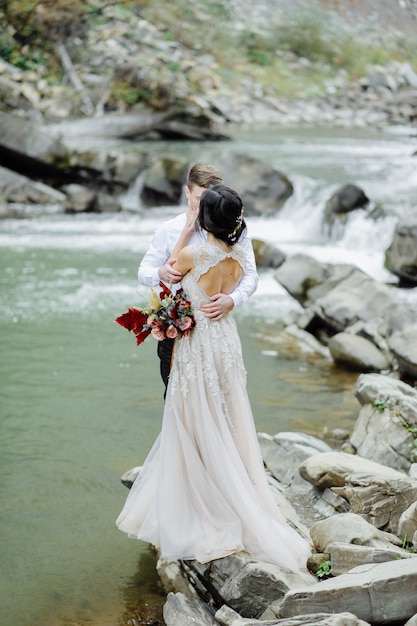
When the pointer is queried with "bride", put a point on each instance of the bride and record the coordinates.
(202, 492)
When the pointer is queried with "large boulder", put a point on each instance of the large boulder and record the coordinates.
(388, 416)
(284, 452)
(360, 298)
(245, 584)
(356, 352)
(306, 279)
(263, 188)
(403, 345)
(331, 469)
(163, 181)
(179, 610)
(378, 594)
(407, 524)
(342, 297)
(17, 190)
(266, 254)
(346, 556)
(350, 528)
(346, 199)
(228, 617)
(27, 137)
(401, 256)
(381, 501)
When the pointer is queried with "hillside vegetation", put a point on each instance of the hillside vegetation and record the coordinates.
(159, 53)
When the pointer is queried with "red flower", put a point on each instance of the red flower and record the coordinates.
(170, 315)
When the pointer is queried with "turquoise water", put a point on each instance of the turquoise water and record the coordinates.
(81, 404)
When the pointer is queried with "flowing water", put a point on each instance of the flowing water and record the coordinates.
(81, 404)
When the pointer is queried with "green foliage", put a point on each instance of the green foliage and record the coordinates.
(325, 570)
(379, 404)
(259, 49)
(306, 33)
(40, 21)
(128, 94)
(6, 47)
(411, 429)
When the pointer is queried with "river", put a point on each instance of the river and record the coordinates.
(81, 404)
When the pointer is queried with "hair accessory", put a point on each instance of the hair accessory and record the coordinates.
(239, 221)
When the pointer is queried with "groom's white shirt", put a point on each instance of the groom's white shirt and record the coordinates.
(164, 241)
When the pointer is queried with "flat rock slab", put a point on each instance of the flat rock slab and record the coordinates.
(228, 617)
(378, 594)
(330, 469)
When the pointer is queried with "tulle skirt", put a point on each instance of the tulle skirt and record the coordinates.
(202, 492)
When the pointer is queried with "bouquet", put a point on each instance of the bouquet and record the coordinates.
(166, 315)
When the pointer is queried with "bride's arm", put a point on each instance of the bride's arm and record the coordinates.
(187, 231)
(184, 262)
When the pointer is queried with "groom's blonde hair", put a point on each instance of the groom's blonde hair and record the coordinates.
(203, 175)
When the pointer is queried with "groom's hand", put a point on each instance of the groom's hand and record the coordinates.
(168, 274)
(219, 305)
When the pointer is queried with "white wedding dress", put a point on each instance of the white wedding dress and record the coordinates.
(202, 492)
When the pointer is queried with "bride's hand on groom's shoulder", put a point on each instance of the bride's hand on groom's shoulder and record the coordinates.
(220, 304)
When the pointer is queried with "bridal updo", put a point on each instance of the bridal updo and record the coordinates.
(221, 213)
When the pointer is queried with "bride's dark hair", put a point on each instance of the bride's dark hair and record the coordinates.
(221, 213)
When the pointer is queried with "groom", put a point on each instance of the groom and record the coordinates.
(157, 263)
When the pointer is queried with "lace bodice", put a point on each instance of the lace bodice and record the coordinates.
(205, 257)
(212, 346)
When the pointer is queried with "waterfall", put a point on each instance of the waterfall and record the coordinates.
(131, 200)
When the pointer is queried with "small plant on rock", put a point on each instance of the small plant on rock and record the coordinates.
(325, 570)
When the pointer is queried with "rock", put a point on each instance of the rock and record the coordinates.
(330, 469)
(345, 557)
(343, 298)
(282, 455)
(20, 189)
(306, 279)
(130, 476)
(267, 255)
(163, 181)
(79, 199)
(264, 189)
(292, 512)
(106, 203)
(407, 524)
(316, 561)
(350, 528)
(284, 452)
(381, 501)
(359, 297)
(228, 617)
(401, 256)
(403, 345)
(389, 416)
(378, 594)
(242, 582)
(110, 125)
(356, 353)
(27, 137)
(346, 199)
(258, 585)
(182, 611)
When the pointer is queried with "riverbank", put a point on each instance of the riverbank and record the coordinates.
(316, 63)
